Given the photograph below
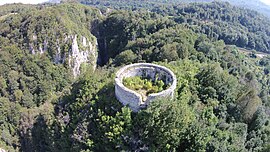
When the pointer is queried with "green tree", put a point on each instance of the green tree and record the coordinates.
(164, 123)
(248, 105)
(125, 57)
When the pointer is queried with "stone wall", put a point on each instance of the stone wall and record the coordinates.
(133, 99)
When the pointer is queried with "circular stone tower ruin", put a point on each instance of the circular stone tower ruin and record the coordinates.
(135, 100)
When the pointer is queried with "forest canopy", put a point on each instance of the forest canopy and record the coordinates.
(222, 98)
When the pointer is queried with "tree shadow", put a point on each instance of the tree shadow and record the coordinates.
(38, 138)
(79, 117)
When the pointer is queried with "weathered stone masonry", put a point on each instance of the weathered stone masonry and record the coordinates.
(133, 99)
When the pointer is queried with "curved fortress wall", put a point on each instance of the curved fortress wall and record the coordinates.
(133, 99)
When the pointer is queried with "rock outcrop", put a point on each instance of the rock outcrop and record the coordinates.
(58, 33)
(87, 54)
(79, 50)
(2, 150)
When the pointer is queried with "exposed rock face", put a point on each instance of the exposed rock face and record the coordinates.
(133, 99)
(58, 59)
(79, 50)
(38, 48)
(2, 150)
(77, 56)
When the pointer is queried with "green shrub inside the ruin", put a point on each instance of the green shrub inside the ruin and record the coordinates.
(144, 85)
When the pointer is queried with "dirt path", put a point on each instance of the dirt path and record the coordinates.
(258, 54)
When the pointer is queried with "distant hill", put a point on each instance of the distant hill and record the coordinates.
(256, 5)
(253, 4)
(235, 25)
(54, 1)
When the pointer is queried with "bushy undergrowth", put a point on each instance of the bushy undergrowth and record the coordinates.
(144, 85)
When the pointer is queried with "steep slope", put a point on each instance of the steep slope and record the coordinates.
(222, 21)
(256, 5)
(218, 20)
(42, 49)
(60, 32)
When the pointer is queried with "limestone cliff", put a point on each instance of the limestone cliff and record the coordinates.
(58, 33)
(86, 54)
(2, 150)
(75, 51)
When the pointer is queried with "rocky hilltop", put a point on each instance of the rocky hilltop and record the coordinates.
(60, 32)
